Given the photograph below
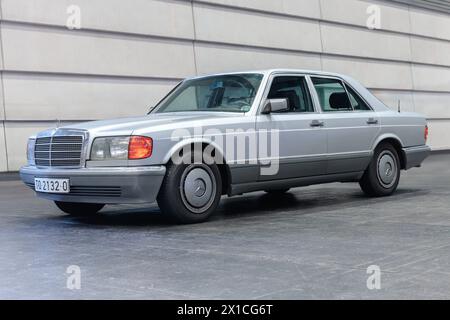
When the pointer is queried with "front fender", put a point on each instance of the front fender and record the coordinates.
(190, 141)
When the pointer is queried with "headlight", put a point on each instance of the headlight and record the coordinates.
(121, 148)
(30, 151)
(111, 148)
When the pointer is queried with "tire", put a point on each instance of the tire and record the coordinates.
(382, 176)
(190, 193)
(277, 192)
(79, 209)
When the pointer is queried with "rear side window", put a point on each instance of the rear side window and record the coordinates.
(357, 103)
(332, 95)
(295, 90)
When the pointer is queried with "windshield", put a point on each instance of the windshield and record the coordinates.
(229, 93)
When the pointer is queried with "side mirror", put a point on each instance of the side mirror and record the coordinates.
(275, 105)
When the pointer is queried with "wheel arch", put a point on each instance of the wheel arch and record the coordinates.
(396, 142)
(224, 169)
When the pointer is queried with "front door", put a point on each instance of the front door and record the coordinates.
(302, 143)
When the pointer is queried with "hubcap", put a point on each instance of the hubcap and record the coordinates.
(387, 169)
(198, 188)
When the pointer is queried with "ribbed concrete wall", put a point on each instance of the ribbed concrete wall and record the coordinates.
(129, 53)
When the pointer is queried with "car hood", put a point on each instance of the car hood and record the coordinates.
(152, 122)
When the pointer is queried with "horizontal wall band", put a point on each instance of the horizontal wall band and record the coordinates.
(322, 54)
(322, 20)
(433, 5)
(89, 76)
(90, 31)
(144, 37)
(104, 77)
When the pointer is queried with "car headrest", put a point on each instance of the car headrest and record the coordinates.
(340, 100)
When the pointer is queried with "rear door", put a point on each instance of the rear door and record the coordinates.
(351, 125)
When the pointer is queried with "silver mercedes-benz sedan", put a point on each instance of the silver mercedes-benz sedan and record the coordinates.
(229, 134)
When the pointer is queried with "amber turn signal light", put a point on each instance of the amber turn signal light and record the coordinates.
(140, 147)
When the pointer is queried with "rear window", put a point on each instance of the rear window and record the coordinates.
(332, 95)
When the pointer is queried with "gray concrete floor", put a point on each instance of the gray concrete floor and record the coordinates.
(313, 243)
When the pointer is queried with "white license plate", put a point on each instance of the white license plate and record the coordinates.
(49, 185)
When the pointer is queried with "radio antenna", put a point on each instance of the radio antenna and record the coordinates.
(399, 106)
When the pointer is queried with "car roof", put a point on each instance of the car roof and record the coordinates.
(273, 71)
(374, 102)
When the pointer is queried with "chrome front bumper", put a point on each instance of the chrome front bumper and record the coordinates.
(114, 185)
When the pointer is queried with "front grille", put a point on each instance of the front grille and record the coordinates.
(59, 151)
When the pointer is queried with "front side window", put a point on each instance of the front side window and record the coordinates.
(332, 95)
(225, 93)
(295, 90)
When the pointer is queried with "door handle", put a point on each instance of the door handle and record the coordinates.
(317, 123)
(372, 121)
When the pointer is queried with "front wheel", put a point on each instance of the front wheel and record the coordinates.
(190, 193)
(383, 174)
(79, 209)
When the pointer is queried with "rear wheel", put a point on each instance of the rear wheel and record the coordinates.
(79, 209)
(190, 193)
(383, 174)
